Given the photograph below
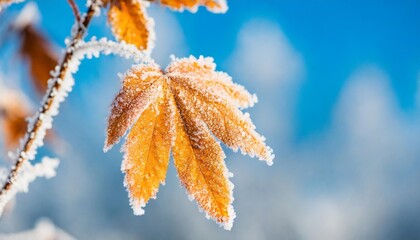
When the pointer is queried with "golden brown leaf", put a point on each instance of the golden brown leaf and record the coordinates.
(194, 102)
(216, 6)
(13, 113)
(130, 23)
(199, 160)
(147, 153)
(219, 83)
(137, 93)
(38, 52)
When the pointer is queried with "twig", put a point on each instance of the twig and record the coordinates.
(75, 10)
(55, 94)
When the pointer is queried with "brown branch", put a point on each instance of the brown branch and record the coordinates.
(38, 125)
(75, 10)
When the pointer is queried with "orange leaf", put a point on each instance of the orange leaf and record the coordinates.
(201, 169)
(137, 93)
(130, 23)
(194, 102)
(216, 6)
(147, 153)
(37, 50)
(13, 113)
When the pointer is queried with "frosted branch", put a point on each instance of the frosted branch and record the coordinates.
(27, 174)
(94, 48)
(59, 86)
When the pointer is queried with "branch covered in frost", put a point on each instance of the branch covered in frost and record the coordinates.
(94, 48)
(59, 86)
(27, 174)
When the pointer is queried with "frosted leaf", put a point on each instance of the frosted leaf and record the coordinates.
(139, 90)
(199, 160)
(131, 24)
(210, 83)
(215, 6)
(28, 173)
(194, 102)
(147, 151)
(227, 123)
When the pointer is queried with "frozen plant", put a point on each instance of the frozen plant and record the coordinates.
(180, 109)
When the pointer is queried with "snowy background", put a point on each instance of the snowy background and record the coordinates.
(339, 102)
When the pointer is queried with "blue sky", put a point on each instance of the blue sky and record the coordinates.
(339, 102)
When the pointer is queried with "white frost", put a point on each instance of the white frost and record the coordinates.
(27, 174)
(94, 48)
(44, 229)
(27, 16)
(80, 51)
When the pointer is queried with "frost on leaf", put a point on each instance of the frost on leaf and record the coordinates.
(14, 109)
(130, 23)
(181, 109)
(138, 91)
(216, 6)
(147, 152)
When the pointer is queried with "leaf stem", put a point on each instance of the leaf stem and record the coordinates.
(36, 129)
(75, 10)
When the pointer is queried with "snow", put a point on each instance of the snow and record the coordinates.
(27, 16)
(27, 174)
(44, 229)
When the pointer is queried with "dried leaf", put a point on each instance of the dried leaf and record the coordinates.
(199, 160)
(37, 50)
(14, 110)
(137, 93)
(190, 102)
(130, 23)
(147, 153)
(215, 6)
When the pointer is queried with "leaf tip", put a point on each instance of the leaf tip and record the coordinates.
(137, 206)
(228, 224)
(109, 143)
(106, 148)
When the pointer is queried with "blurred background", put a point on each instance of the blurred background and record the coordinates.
(339, 102)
